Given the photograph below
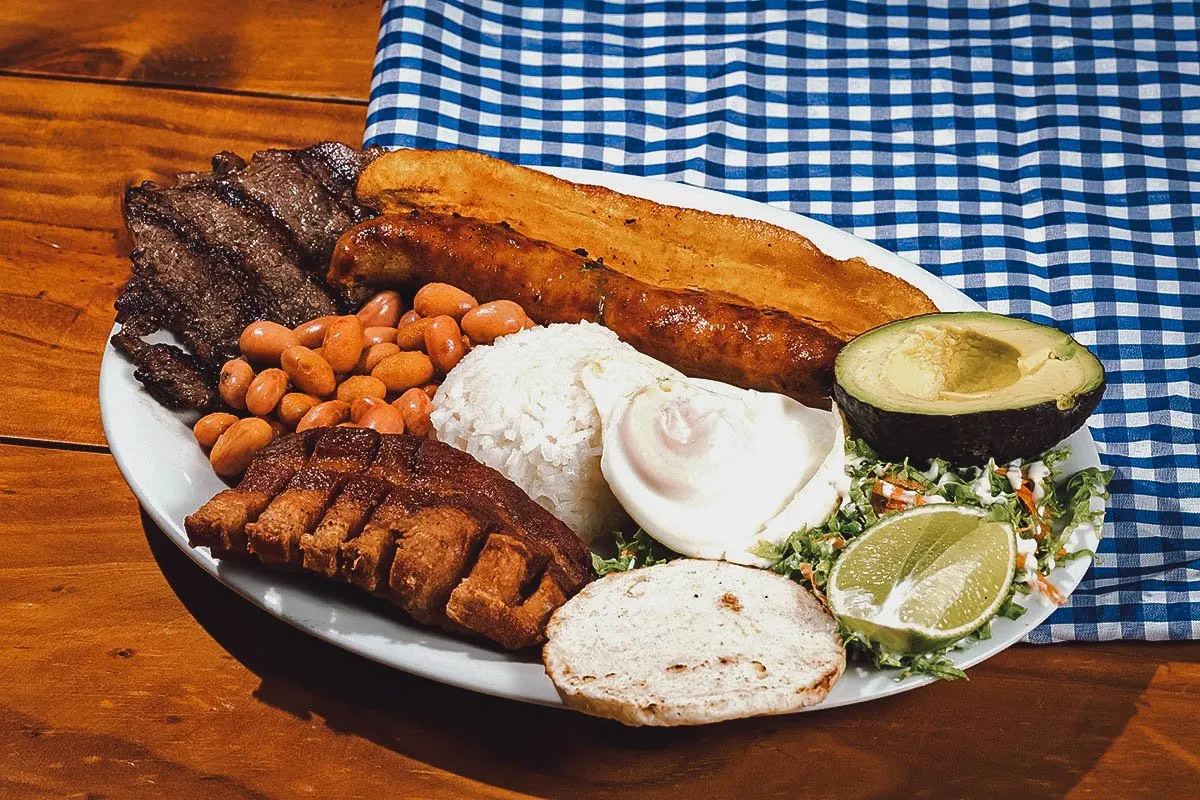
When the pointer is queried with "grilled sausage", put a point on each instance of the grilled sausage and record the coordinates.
(701, 334)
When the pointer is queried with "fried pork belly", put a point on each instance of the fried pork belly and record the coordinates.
(414, 521)
(218, 250)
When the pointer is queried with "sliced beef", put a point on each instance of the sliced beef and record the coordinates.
(172, 376)
(218, 250)
(259, 248)
(195, 292)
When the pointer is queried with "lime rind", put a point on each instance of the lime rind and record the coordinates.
(924, 578)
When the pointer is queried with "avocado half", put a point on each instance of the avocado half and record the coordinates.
(966, 387)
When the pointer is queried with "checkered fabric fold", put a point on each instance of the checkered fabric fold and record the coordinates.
(1042, 157)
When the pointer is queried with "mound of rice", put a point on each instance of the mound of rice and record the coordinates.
(520, 407)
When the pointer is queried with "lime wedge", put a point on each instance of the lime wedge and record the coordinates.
(925, 578)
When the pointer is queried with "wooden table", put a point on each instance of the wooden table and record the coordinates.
(127, 672)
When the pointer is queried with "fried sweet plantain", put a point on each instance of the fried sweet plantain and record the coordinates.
(664, 246)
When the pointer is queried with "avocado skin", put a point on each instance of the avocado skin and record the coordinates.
(966, 439)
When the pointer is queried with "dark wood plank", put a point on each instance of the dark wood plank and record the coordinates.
(67, 152)
(128, 671)
(296, 48)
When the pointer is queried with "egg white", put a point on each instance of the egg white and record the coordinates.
(709, 469)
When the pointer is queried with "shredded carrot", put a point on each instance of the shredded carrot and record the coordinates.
(912, 486)
(835, 539)
(1050, 590)
(1041, 524)
(894, 503)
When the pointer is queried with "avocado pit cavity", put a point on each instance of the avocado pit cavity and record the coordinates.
(949, 362)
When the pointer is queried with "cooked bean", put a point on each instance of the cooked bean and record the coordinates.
(430, 389)
(361, 386)
(343, 343)
(347, 425)
(264, 341)
(382, 309)
(378, 335)
(237, 446)
(210, 427)
(293, 406)
(414, 406)
(488, 322)
(444, 343)
(528, 323)
(236, 376)
(384, 419)
(324, 415)
(308, 370)
(412, 335)
(409, 317)
(362, 405)
(373, 355)
(442, 299)
(265, 391)
(404, 371)
(312, 333)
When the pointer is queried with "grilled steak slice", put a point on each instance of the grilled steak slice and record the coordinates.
(194, 292)
(172, 376)
(221, 249)
(211, 212)
(388, 515)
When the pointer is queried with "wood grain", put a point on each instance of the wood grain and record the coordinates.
(67, 152)
(294, 48)
(126, 671)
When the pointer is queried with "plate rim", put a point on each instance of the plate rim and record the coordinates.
(269, 589)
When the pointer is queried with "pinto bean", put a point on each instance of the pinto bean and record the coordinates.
(312, 333)
(343, 343)
(361, 386)
(488, 322)
(308, 370)
(236, 375)
(382, 309)
(373, 355)
(403, 371)
(238, 445)
(210, 427)
(324, 415)
(414, 406)
(444, 343)
(266, 390)
(383, 418)
(372, 336)
(442, 299)
(293, 406)
(362, 405)
(264, 341)
(412, 335)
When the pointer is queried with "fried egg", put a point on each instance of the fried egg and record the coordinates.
(711, 470)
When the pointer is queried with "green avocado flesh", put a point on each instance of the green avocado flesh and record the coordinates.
(962, 384)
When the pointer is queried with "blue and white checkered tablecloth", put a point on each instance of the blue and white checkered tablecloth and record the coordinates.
(1043, 157)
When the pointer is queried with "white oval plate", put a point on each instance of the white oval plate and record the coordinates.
(171, 477)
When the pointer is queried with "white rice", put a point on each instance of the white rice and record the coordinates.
(520, 407)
